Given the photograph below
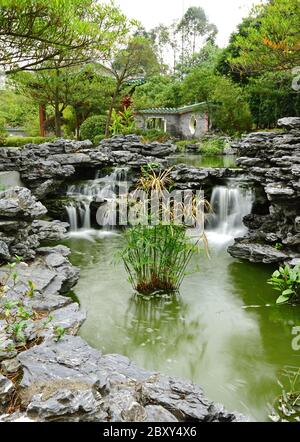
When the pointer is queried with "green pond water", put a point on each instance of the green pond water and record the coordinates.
(224, 331)
(197, 160)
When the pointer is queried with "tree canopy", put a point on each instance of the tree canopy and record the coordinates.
(271, 39)
(33, 32)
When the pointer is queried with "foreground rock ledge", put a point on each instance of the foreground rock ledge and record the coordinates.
(70, 381)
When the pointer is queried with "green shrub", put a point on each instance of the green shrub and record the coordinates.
(3, 132)
(155, 135)
(286, 280)
(213, 146)
(92, 127)
(98, 139)
(21, 141)
(182, 144)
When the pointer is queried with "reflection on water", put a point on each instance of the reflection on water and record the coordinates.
(197, 160)
(223, 332)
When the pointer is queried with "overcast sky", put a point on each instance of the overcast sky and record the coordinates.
(226, 14)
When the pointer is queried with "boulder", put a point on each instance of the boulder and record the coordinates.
(272, 161)
(70, 381)
(289, 123)
(18, 202)
(255, 252)
(6, 390)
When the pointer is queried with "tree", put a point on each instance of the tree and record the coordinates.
(136, 59)
(271, 97)
(15, 107)
(194, 25)
(85, 89)
(232, 113)
(226, 102)
(34, 32)
(158, 91)
(272, 40)
(90, 95)
(162, 39)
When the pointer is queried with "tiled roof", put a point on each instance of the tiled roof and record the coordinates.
(173, 110)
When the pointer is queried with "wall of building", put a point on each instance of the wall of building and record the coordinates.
(201, 126)
(177, 125)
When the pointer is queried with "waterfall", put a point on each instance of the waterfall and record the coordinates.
(72, 214)
(230, 204)
(100, 189)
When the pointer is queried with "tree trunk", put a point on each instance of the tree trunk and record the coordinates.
(57, 119)
(111, 107)
(56, 108)
(194, 43)
(77, 129)
(42, 114)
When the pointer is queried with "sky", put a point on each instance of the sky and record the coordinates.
(226, 14)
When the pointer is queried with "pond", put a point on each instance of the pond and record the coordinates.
(223, 332)
(197, 160)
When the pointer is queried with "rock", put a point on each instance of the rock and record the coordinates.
(66, 405)
(156, 413)
(187, 177)
(4, 251)
(254, 252)
(10, 366)
(20, 232)
(52, 274)
(49, 230)
(182, 399)
(48, 303)
(6, 390)
(297, 224)
(15, 417)
(62, 250)
(122, 405)
(7, 350)
(19, 203)
(69, 380)
(55, 260)
(272, 160)
(47, 187)
(70, 317)
(289, 123)
(54, 366)
(44, 168)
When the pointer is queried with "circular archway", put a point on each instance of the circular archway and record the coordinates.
(193, 125)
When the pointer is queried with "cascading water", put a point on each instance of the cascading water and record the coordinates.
(100, 189)
(230, 204)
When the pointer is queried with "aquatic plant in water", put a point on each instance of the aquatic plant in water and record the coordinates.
(156, 256)
(286, 280)
(287, 405)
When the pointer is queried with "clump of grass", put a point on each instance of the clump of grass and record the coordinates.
(22, 141)
(155, 179)
(182, 145)
(287, 405)
(156, 257)
(214, 146)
